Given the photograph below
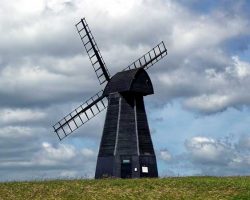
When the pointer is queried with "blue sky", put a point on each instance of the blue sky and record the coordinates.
(172, 131)
(199, 115)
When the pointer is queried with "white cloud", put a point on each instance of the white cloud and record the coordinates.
(217, 157)
(23, 7)
(50, 155)
(206, 31)
(61, 154)
(57, 5)
(207, 150)
(88, 152)
(20, 115)
(114, 8)
(208, 103)
(44, 71)
(15, 132)
(223, 89)
(240, 69)
(53, 161)
(165, 155)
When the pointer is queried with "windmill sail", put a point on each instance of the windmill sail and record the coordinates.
(93, 51)
(80, 115)
(150, 58)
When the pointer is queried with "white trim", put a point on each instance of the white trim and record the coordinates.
(118, 126)
(136, 128)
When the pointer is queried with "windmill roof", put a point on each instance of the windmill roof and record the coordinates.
(134, 80)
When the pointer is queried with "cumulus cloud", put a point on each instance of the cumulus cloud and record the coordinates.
(165, 155)
(207, 150)
(229, 88)
(211, 156)
(12, 116)
(45, 73)
(54, 161)
(218, 157)
(64, 156)
(7, 131)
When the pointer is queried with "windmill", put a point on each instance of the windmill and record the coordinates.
(126, 148)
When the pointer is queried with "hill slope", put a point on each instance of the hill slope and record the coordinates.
(164, 188)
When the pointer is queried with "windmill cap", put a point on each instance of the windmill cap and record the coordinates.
(134, 80)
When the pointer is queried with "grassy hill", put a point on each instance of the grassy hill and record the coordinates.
(165, 188)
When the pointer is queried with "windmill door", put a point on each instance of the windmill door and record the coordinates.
(126, 168)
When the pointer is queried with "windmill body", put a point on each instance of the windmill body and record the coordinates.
(126, 149)
(126, 145)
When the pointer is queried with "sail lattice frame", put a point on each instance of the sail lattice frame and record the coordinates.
(150, 58)
(80, 115)
(93, 51)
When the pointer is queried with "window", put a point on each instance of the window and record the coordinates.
(144, 169)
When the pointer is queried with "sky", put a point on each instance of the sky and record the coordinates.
(199, 116)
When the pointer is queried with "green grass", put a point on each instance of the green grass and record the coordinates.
(163, 188)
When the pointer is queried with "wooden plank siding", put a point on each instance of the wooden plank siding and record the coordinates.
(126, 134)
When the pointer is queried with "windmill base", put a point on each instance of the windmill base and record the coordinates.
(126, 148)
(126, 166)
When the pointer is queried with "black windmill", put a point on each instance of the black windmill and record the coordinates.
(126, 148)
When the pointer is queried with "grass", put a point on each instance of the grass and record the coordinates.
(163, 188)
